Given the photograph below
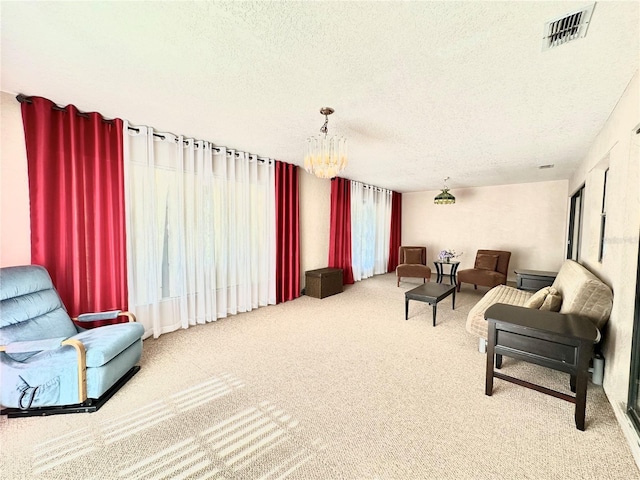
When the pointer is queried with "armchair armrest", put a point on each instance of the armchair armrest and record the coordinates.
(82, 367)
(110, 315)
(561, 323)
(33, 345)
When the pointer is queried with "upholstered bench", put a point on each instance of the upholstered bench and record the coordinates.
(582, 293)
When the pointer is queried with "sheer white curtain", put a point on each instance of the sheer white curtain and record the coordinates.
(383, 202)
(370, 230)
(200, 230)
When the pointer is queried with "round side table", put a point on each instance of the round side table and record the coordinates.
(452, 272)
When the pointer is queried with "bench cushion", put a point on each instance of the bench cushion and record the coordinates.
(476, 323)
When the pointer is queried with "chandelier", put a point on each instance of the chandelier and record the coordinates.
(444, 197)
(325, 156)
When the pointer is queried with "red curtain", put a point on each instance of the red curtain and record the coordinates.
(396, 229)
(76, 190)
(287, 233)
(340, 228)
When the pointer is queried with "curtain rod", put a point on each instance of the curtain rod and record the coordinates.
(364, 185)
(163, 137)
(373, 187)
(24, 99)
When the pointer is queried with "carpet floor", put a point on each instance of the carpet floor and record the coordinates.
(338, 388)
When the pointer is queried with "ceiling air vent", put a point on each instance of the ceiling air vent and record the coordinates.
(567, 28)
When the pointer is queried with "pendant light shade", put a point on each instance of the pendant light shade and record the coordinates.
(444, 197)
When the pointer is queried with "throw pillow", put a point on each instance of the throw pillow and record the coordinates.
(413, 255)
(552, 302)
(487, 262)
(538, 299)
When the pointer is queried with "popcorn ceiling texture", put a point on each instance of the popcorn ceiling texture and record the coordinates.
(422, 90)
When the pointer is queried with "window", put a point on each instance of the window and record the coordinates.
(603, 216)
(633, 405)
(575, 224)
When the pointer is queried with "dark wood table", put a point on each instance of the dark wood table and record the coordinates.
(534, 280)
(562, 342)
(430, 293)
(452, 271)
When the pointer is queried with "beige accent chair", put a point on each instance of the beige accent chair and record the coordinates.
(490, 269)
(412, 262)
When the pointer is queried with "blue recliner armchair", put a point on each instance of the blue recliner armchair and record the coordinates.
(47, 364)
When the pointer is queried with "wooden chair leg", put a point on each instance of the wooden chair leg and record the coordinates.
(475, 287)
(398, 281)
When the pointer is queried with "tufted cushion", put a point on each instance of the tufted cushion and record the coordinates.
(413, 255)
(583, 293)
(486, 262)
(476, 324)
(30, 308)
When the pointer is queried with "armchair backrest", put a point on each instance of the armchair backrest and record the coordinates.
(503, 260)
(411, 255)
(30, 307)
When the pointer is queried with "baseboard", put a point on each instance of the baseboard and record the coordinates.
(629, 431)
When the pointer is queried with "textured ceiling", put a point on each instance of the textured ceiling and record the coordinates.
(422, 90)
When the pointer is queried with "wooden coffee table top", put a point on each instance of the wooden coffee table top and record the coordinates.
(430, 292)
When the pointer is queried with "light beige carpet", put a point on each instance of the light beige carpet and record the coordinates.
(339, 388)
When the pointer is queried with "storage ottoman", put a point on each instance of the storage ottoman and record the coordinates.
(323, 282)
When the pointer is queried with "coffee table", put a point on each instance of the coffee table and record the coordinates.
(430, 293)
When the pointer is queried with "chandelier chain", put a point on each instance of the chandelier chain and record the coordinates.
(325, 128)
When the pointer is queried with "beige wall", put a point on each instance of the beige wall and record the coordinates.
(315, 209)
(527, 219)
(617, 146)
(15, 245)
